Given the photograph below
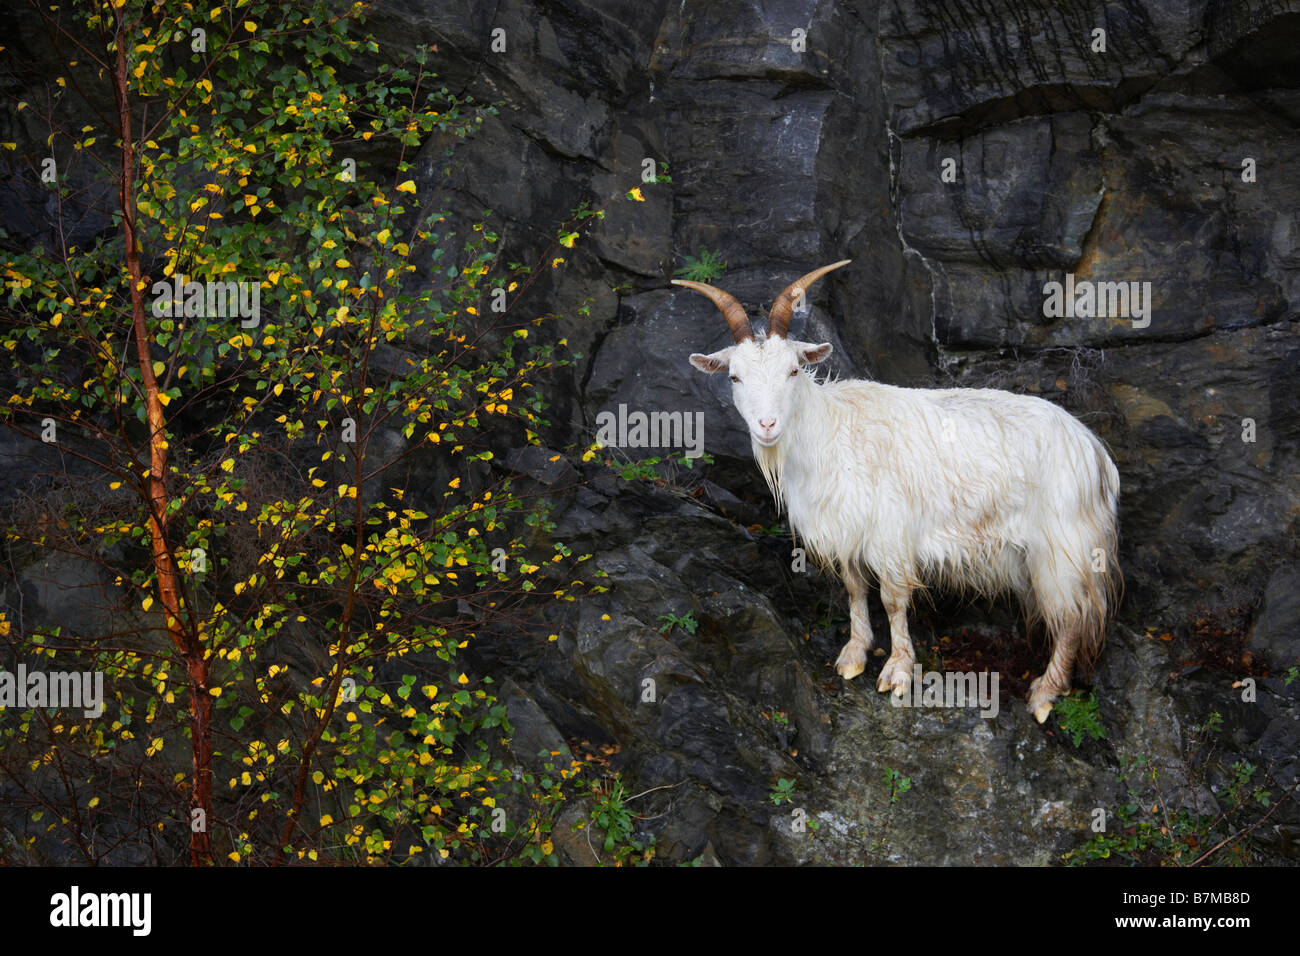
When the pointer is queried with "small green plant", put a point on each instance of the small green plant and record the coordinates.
(1146, 831)
(1240, 791)
(705, 459)
(898, 784)
(781, 726)
(877, 847)
(642, 470)
(829, 615)
(611, 814)
(1292, 674)
(784, 792)
(1213, 724)
(704, 266)
(686, 622)
(1079, 717)
(668, 472)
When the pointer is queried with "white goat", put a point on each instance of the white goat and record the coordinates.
(973, 488)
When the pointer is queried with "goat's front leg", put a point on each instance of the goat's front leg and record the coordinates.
(896, 675)
(853, 656)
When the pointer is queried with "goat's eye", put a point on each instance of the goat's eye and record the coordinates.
(735, 378)
(794, 372)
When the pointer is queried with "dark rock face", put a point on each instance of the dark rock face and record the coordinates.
(1122, 163)
(963, 155)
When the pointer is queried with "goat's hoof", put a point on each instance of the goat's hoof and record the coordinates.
(852, 661)
(896, 676)
(1041, 698)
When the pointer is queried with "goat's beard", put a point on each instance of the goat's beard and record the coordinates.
(771, 459)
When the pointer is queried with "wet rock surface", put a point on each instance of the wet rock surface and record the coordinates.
(1117, 165)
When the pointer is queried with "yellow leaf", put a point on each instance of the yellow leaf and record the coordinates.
(147, 602)
(407, 187)
(250, 26)
(326, 820)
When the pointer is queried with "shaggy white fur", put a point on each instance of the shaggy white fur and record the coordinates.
(976, 489)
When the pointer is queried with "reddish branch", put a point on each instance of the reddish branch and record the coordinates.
(167, 574)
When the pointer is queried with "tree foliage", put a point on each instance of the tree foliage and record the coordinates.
(295, 514)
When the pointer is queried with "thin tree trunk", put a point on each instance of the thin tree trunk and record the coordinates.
(166, 572)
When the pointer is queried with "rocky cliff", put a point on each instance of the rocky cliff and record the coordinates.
(963, 155)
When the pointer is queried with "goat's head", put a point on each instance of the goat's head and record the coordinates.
(763, 370)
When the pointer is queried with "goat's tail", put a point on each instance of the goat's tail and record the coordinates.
(1106, 579)
(1076, 579)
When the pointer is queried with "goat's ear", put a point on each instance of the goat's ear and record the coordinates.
(717, 362)
(812, 354)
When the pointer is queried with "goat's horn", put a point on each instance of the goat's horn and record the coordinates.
(731, 310)
(778, 320)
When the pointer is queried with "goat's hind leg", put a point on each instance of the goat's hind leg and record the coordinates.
(853, 656)
(1059, 597)
(896, 675)
(1055, 681)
